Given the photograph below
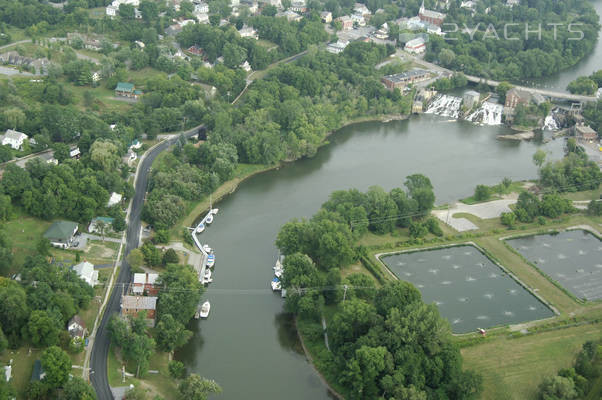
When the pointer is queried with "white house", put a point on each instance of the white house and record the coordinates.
(248, 31)
(202, 8)
(86, 272)
(13, 139)
(145, 282)
(246, 66)
(415, 46)
(326, 17)
(76, 327)
(112, 10)
(337, 47)
(115, 199)
(361, 9)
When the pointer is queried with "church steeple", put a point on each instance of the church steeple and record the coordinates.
(422, 7)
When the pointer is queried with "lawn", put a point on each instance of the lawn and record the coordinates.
(496, 192)
(158, 383)
(22, 367)
(23, 232)
(583, 195)
(513, 368)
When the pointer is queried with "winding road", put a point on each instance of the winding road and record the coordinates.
(101, 342)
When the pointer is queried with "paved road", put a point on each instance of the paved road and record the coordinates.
(100, 351)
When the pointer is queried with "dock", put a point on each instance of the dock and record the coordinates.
(200, 269)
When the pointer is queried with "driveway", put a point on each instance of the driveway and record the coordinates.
(488, 210)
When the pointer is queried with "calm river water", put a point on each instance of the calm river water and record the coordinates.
(247, 345)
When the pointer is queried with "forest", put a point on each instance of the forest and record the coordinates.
(385, 342)
(485, 50)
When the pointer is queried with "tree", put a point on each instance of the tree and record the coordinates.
(105, 155)
(3, 341)
(183, 293)
(119, 224)
(557, 388)
(57, 366)
(595, 207)
(78, 389)
(135, 258)
(136, 393)
(171, 334)
(161, 236)
(170, 257)
(195, 387)
(539, 158)
(61, 151)
(177, 370)
(482, 193)
(42, 329)
(508, 219)
(13, 311)
(101, 226)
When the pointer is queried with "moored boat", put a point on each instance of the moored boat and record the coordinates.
(209, 218)
(200, 228)
(210, 260)
(276, 284)
(205, 308)
(206, 248)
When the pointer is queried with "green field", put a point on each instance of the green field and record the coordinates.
(513, 368)
(23, 359)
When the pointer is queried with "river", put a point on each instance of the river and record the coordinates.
(585, 67)
(247, 344)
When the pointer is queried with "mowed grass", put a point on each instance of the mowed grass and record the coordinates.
(22, 367)
(23, 233)
(514, 368)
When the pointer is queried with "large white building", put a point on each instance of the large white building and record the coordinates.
(415, 46)
(337, 47)
(113, 9)
(86, 272)
(13, 139)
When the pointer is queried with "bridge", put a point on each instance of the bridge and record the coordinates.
(546, 93)
(476, 79)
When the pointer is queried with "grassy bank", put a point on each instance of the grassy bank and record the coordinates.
(513, 368)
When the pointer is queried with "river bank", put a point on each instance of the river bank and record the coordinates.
(229, 187)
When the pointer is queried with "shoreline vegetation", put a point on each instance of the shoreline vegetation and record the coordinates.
(230, 186)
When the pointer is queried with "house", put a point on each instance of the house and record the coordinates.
(361, 9)
(400, 81)
(145, 282)
(415, 46)
(515, 97)
(430, 17)
(48, 158)
(346, 22)
(248, 31)
(86, 272)
(298, 6)
(289, 15)
(38, 372)
(512, 3)
(585, 132)
(337, 47)
(61, 233)
(125, 89)
(95, 224)
(96, 76)
(75, 153)
(13, 139)
(471, 98)
(195, 50)
(76, 327)
(246, 66)
(358, 19)
(8, 372)
(201, 8)
(114, 199)
(112, 11)
(135, 145)
(326, 17)
(132, 305)
(202, 18)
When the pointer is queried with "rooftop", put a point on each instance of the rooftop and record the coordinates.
(15, 135)
(125, 87)
(139, 302)
(405, 75)
(143, 278)
(61, 230)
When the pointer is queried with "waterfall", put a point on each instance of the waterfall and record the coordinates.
(550, 123)
(488, 114)
(445, 106)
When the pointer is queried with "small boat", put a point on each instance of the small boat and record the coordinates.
(209, 218)
(276, 285)
(200, 228)
(206, 248)
(206, 281)
(278, 273)
(207, 274)
(214, 211)
(205, 308)
(211, 260)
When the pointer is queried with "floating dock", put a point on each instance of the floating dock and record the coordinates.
(200, 270)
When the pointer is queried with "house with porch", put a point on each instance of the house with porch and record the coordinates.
(61, 234)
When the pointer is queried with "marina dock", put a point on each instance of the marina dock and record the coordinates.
(200, 269)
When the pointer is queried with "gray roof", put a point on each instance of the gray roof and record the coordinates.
(60, 231)
(139, 302)
(15, 135)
